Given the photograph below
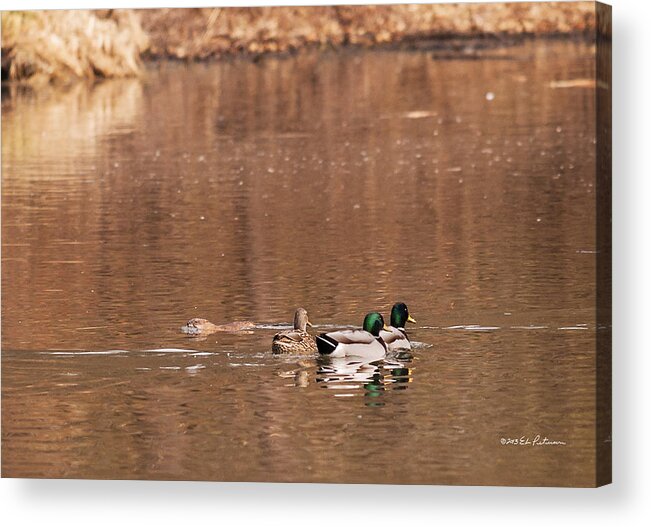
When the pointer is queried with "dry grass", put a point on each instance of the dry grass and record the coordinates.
(62, 44)
(203, 33)
(58, 45)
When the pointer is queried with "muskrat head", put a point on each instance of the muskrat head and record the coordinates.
(195, 326)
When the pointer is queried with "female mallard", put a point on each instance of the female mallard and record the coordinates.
(201, 326)
(364, 342)
(296, 340)
(395, 335)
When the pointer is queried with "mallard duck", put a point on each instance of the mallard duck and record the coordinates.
(395, 335)
(364, 342)
(201, 326)
(296, 340)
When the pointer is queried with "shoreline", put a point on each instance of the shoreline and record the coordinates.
(60, 46)
(449, 47)
(218, 32)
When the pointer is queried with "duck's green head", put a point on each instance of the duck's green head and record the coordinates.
(374, 323)
(400, 315)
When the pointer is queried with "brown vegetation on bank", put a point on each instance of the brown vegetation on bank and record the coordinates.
(203, 33)
(57, 45)
(109, 43)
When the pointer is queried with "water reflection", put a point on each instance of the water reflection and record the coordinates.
(356, 377)
(61, 126)
(340, 182)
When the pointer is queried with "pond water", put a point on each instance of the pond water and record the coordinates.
(339, 182)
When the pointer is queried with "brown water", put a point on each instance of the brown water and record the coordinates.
(337, 182)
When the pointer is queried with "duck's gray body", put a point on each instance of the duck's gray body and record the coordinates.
(396, 339)
(351, 343)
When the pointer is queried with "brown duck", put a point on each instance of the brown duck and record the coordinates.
(297, 340)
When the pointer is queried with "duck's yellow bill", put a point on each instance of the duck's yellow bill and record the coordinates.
(385, 328)
(409, 319)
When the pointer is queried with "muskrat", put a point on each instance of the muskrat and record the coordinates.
(201, 326)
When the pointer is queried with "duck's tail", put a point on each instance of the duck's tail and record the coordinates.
(326, 344)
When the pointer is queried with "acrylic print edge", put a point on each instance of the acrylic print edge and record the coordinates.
(603, 431)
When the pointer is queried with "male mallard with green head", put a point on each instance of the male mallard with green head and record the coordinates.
(365, 342)
(395, 336)
(296, 340)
